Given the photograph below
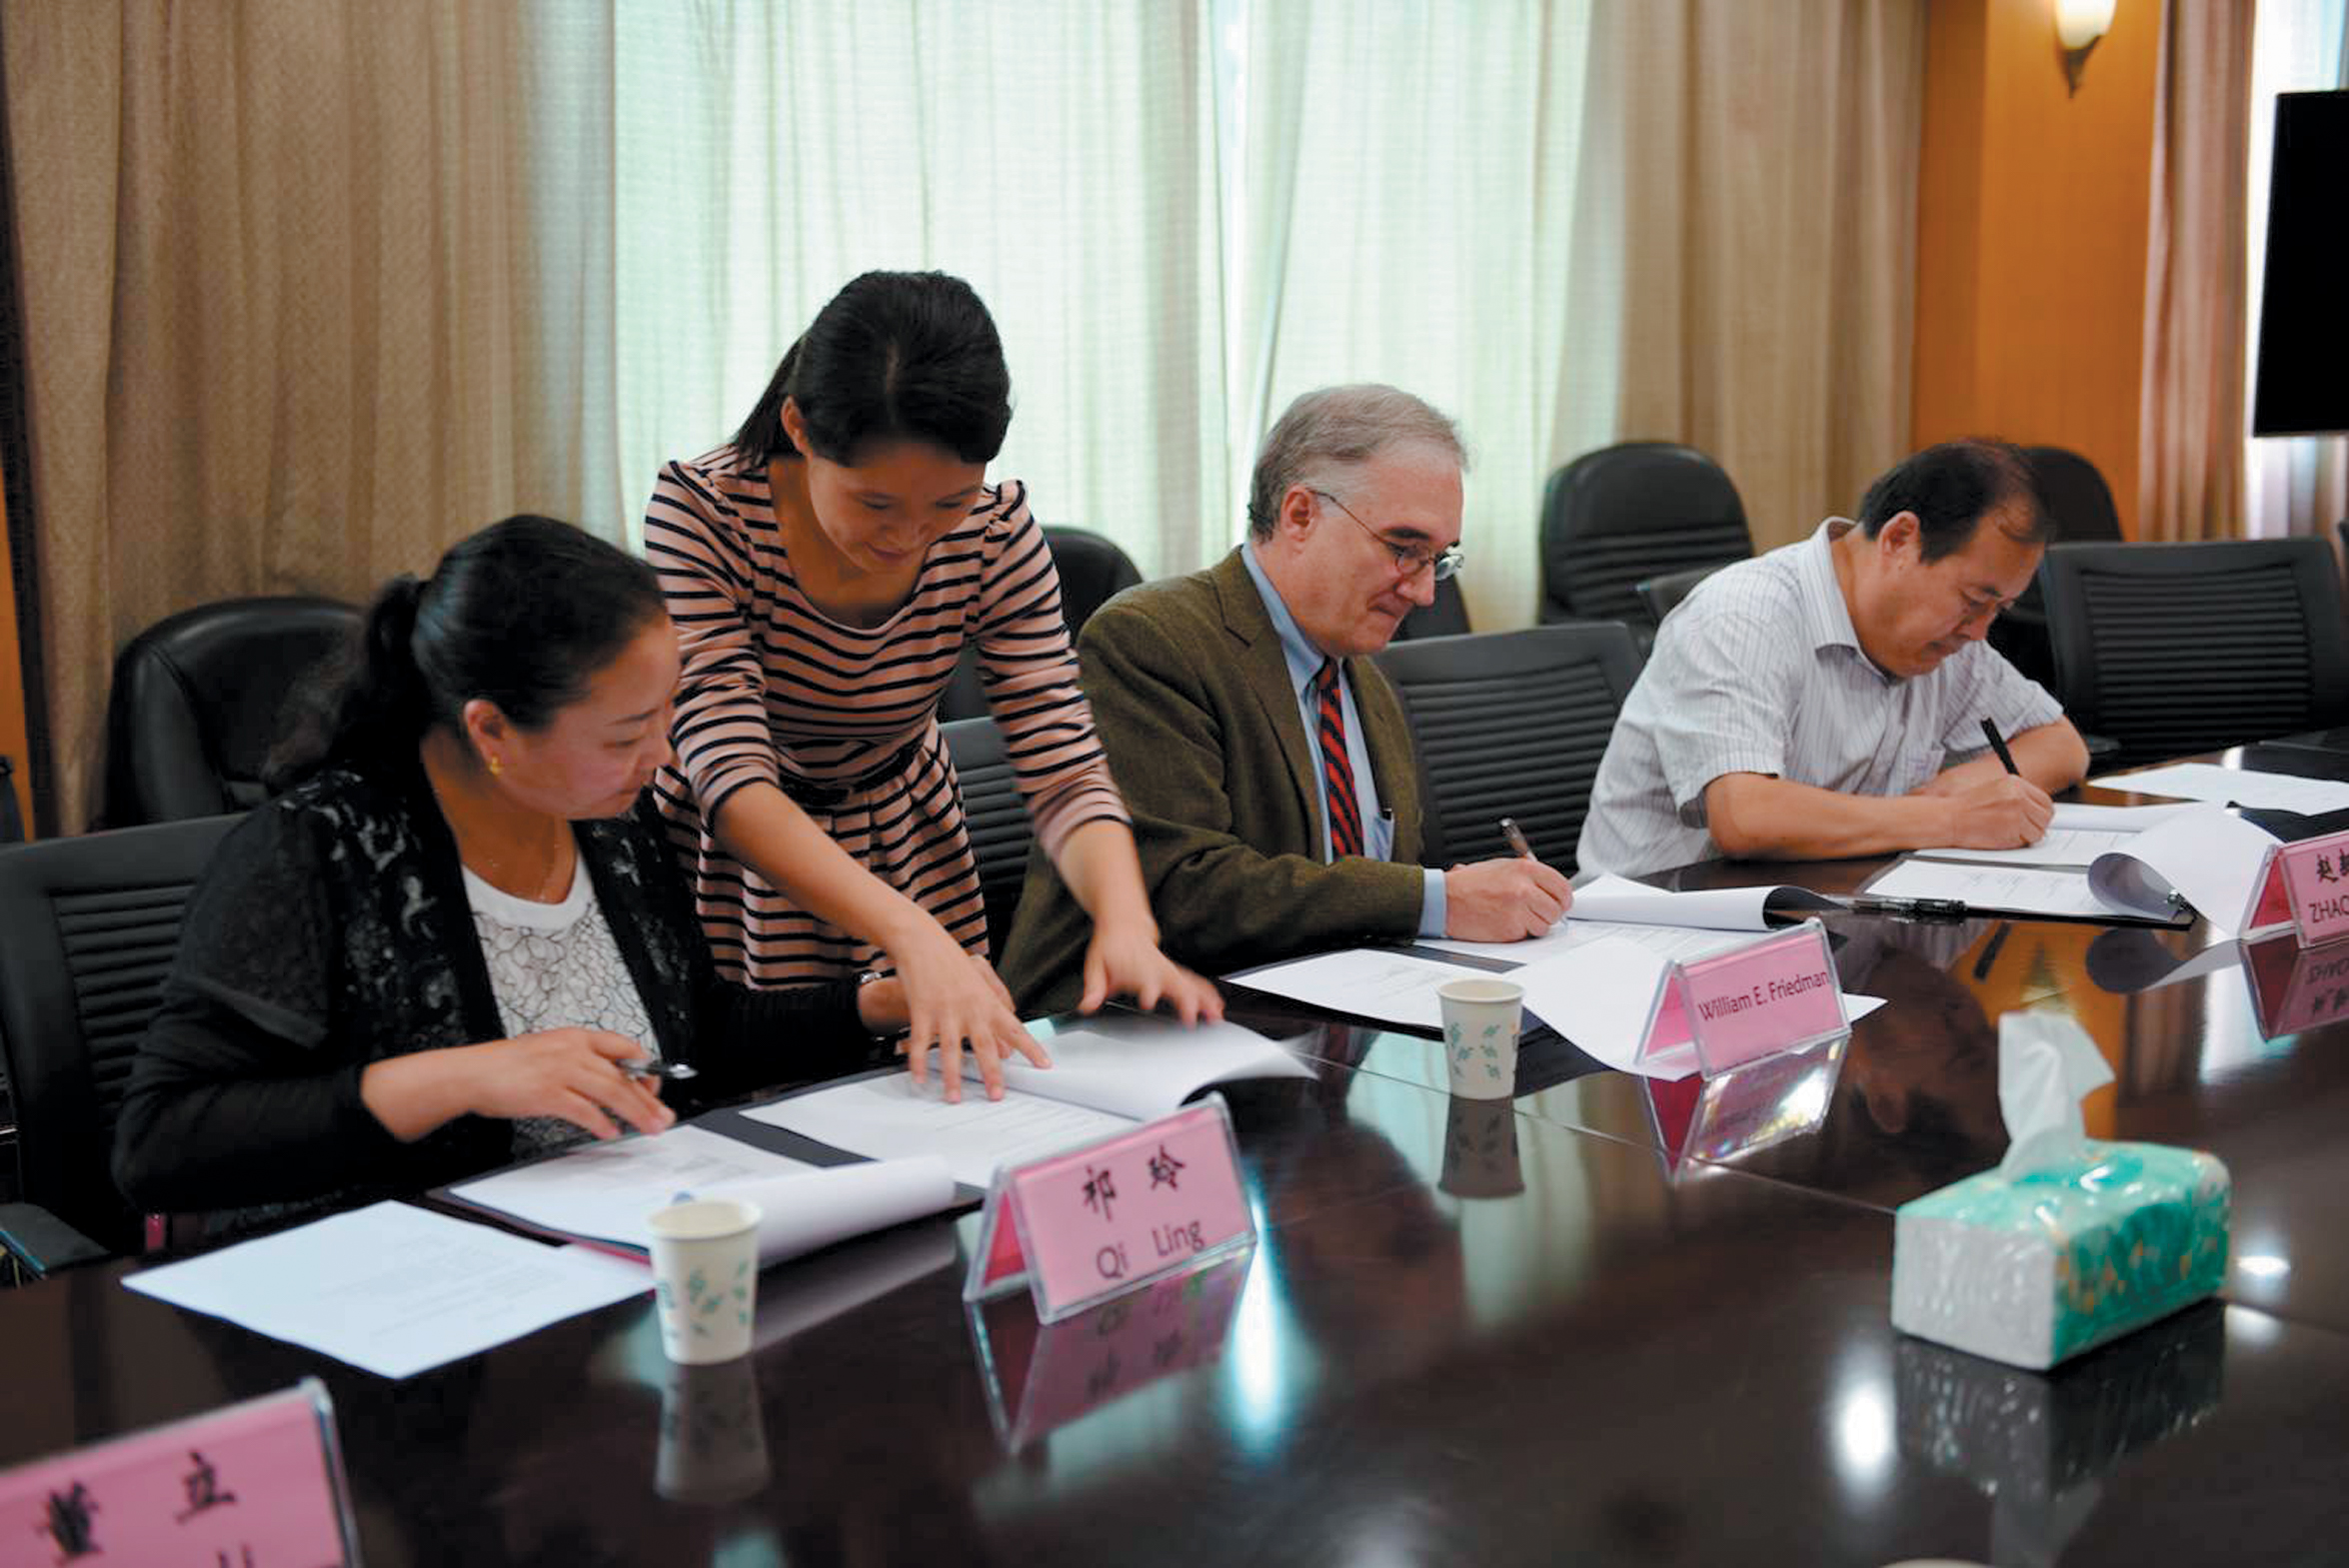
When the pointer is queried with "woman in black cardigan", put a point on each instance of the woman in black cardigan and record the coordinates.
(448, 944)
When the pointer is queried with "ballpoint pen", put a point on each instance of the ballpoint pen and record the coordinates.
(675, 1071)
(1516, 837)
(1935, 908)
(1998, 744)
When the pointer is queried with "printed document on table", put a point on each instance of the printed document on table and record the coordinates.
(2004, 889)
(393, 1289)
(1676, 924)
(2073, 846)
(888, 1116)
(1670, 942)
(1145, 1068)
(2116, 818)
(2209, 781)
(604, 1190)
(1363, 982)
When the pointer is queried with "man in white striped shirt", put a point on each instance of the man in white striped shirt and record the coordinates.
(1804, 705)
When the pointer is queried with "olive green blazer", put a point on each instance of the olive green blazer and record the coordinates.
(1192, 698)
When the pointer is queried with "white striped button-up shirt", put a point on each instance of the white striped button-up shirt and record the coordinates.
(1759, 672)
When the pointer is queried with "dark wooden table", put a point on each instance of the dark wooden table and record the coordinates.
(1608, 1324)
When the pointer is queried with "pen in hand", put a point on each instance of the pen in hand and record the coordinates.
(1516, 837)
(1998, 744)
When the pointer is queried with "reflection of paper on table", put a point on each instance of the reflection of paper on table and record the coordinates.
(2242, 787)
(393, 1289)
(1366, 982)
(2073, 846)
(888, 1116)
(602, 1192)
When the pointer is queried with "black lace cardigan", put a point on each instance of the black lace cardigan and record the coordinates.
(332, 930)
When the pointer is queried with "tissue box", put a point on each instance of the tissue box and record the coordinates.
(2034, 1268)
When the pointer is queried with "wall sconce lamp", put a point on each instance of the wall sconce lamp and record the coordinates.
(2078, 24)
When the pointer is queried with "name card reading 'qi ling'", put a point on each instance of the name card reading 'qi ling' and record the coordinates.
(1107, 1216)
(2306, 883)
(257, 1485)
(1772, 995)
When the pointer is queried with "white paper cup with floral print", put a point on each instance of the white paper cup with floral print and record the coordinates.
(706, 1277)
(1480, 1035)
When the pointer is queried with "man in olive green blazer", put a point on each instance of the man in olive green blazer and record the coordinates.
(1202, 686)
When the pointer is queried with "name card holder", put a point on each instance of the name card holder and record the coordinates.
(2304, 885)
(1041, 1376)
(254, 1485)
(1107, 1217)
(1774, 994)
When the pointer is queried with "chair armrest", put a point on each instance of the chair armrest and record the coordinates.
(40, 1243)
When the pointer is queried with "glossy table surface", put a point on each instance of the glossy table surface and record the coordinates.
(1607, 1322)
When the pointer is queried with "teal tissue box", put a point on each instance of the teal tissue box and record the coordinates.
(2036, 1268)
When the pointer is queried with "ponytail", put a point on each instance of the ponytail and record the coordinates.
(371, 695)
(761, 439)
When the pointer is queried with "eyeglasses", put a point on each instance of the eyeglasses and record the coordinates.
(1409, 559)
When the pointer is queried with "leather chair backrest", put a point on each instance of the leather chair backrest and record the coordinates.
(2170, 648)
(199, 700)
(1447, 617)
(1613, 518)
(88, 927)
(1663, 594)
(2075, 496)
(1512, 723)
(1091, 569)
(996, 815)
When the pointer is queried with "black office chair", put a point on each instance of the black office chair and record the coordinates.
(997, 817)
(1614, 518)
(1663, 594)
(200, 699)
(2174, 649)
(88, 926)
(1447, 617)
(1093, 571)
(2079, 505)
(1512, 723)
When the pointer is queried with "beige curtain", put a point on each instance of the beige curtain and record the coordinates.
(2190, 447)
(1755, 169)
(277, 277)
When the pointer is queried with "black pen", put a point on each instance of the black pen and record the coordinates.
(1935, 908)
(1999, 745)
(675, 1071)
(1516, 837)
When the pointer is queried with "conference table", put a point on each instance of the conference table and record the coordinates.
(1611, 1321)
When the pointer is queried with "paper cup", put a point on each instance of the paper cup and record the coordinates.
(712, 1434)
(1480, 1035)
(706, 1277)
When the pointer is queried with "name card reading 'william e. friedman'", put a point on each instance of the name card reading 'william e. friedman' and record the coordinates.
(1772, 995)
(2305, 885)
(1107, 1216)
(256, 1485)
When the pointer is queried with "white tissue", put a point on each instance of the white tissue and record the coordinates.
(2046, 1065)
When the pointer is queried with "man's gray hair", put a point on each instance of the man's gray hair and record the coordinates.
(1340, 425)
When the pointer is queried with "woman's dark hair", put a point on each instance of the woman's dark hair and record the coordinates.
(524, 613)
(896, 356)
(1952, 487)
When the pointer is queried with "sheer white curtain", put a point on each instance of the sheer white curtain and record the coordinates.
(1407, 214)
(1059, 154)
(2293, 484)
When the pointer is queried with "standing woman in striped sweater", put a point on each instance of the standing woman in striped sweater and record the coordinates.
(825, 569)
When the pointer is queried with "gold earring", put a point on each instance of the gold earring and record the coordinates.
(496, 767)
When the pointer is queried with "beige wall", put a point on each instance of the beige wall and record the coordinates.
(2032, 209)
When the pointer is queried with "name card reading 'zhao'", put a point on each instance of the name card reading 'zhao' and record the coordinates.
(2305, 885)
(257, 1485)
(1776, 994)
(1109, 1216)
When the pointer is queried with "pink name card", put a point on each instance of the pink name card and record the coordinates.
(1775, 995)
(1114, 1214)
(257, 1485)
(2306, 883)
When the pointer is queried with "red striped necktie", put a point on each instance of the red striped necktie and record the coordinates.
(1338, 775)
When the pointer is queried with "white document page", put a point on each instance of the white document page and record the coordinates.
(2211, 782)
(604, 1190)
(889, 1117)
(2075, 847)
(1620, 899)
(1672, 941)
(1146, 1067)
(1366, 983)
(393, 1289)
(2115, 819)
(2209, 856)
(818, 1206)
(2004, 889)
